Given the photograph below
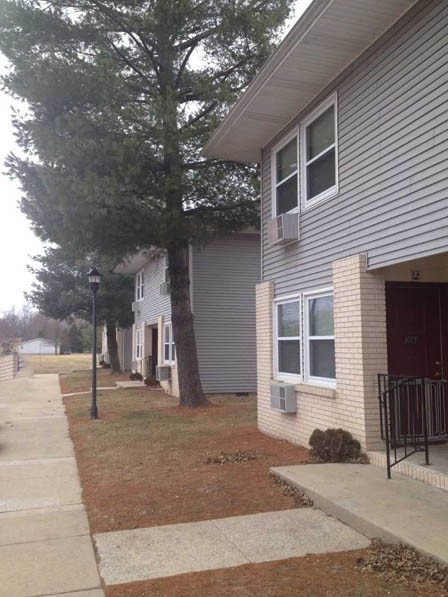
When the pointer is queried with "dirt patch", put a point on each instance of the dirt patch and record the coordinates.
(330, 575)
(144, 462)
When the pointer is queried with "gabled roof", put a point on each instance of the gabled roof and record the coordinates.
(133, 263)
(36, 339)
(328, 37)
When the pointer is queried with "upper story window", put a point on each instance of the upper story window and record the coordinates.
(288, 343)
(139, 286)
(285, 174)
(315, 158)
(319, 149)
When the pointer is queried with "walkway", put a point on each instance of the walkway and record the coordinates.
(399, 509)
(45, 545)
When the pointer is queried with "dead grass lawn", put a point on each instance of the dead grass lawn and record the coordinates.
(144, 463)
(49, 363)
(81, 381)
(328, 575)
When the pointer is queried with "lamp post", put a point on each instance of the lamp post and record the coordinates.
(94, 283)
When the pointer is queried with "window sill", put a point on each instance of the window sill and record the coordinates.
(321, 391)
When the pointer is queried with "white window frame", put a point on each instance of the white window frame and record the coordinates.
(280, 375)
(307, 296)
(140, 285)
(274, 182)
(168, 340)
(332, 191)
(138, 344)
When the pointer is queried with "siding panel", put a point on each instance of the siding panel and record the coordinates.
(393, 150)
(153, 304)
(225, 273)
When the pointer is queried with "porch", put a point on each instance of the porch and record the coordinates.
(414, 467)
(413, 395)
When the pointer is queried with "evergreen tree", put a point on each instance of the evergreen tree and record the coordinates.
(62, 291)
(122, 97)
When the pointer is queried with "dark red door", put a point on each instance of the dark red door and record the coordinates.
(415, 338)
(414, 334)
(154, 351)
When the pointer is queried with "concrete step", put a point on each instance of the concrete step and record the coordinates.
(399, 510)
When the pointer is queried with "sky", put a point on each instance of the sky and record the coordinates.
(17, 242)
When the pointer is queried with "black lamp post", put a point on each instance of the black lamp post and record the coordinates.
(94, 283)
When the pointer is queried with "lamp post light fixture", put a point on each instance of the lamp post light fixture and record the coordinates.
(94, 283)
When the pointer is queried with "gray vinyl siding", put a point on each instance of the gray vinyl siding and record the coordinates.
(393, 160)
(224, 276)
(153, 304)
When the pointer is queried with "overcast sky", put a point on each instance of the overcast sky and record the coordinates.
(17, 242)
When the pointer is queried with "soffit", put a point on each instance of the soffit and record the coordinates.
(327, 38)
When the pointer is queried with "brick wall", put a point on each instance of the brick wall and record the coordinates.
(361, 345)
(9, 366)
(361, 353)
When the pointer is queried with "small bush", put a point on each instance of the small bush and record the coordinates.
(150, 381)
(336, 445)
(136, 376)
(104, 365)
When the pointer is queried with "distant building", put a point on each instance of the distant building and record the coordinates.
(37, 346)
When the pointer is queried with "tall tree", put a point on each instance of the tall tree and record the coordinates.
(122, 96)
(61, 291)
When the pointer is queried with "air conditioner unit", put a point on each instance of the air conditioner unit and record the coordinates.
(133, 306)
(163, 373)
(283, 229)
(164, 288)
(283, 397)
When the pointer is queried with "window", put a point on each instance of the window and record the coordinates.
(139, 286)
(287, 326)
(319, 150)
(285, 183)
(319, 350)
(168, 344)
(138, 344)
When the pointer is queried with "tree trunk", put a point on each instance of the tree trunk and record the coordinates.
(112, 348)
(190, 388)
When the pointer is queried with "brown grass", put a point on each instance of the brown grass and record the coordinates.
(144, 463)
(145, 448)
(48, 363)
(81, 381)
(326, 575)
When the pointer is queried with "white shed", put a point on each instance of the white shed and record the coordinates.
(36, 346)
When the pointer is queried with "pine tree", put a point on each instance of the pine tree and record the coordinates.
(122, 97)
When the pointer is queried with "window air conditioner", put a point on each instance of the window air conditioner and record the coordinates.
(164, 288)
(163, 373)
(283, 397)
(133, 306)
(283, 229)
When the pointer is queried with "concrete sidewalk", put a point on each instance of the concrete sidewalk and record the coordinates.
(141, 554)
(399, 509)
(45, 544)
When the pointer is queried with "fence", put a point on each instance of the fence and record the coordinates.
(9, 366)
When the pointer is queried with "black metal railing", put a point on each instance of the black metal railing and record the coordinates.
(412, 413)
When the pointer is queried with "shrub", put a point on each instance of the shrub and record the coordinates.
(150, 381)
(135, 376)
(336, 445)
